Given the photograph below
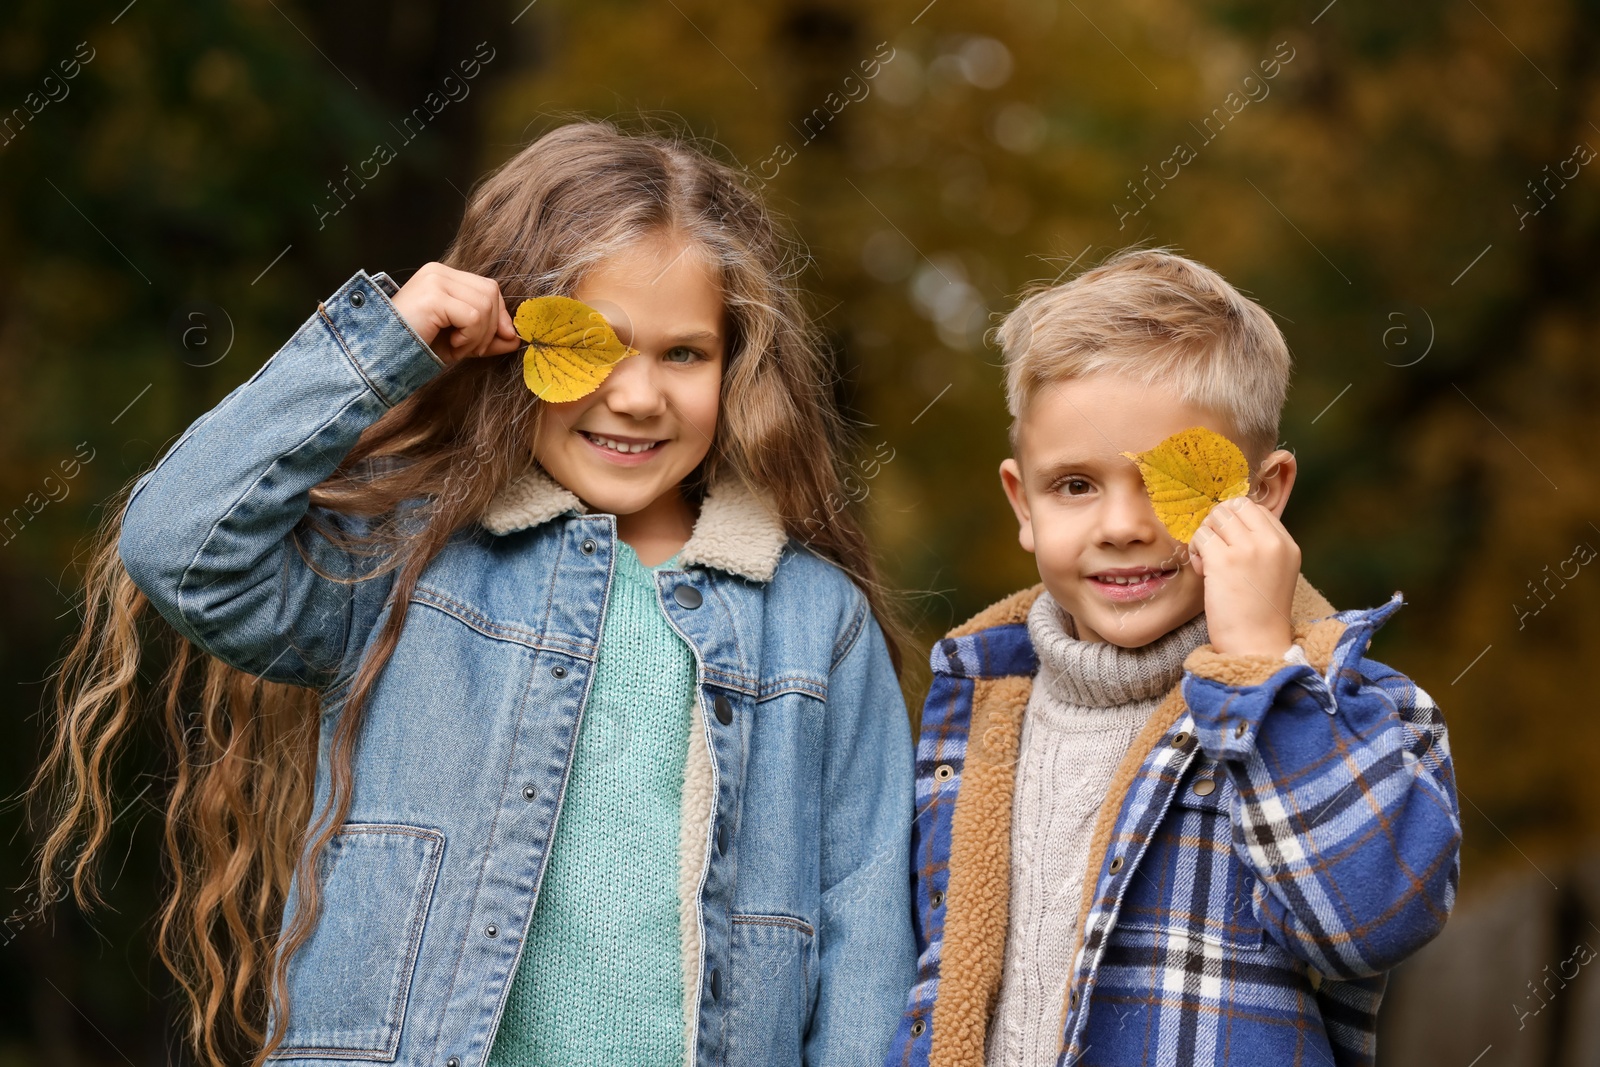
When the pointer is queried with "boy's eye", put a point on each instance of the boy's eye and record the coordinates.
(680, 354)
(1074, 486)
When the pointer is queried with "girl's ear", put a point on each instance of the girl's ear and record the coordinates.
(1273, 481)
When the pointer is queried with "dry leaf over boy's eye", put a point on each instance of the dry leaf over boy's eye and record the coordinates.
(1190, 473)
(571, 347)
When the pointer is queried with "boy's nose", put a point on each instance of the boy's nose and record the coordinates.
(1126, 517)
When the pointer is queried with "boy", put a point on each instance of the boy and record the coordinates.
(1169, 812)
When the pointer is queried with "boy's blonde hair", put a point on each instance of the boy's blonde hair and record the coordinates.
(1156, 317)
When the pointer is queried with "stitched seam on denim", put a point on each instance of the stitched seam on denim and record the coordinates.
(392, 1046)
(322, 310)
(183, 579)
(733, 630)
(493, 838)
(415, 942)
(847, 640)
(301, 1051)
(550, 590)
(483, 863)
(730, 680)
(777, 687)
(378, 289)
(775, 920)
(515, 634)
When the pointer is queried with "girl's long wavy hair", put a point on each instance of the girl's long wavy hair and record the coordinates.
(243, 751)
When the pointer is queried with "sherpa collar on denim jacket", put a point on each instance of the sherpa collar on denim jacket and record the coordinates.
(737, 531)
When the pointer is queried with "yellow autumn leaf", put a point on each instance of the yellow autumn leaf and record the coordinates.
(571, 347)
(1190, 473)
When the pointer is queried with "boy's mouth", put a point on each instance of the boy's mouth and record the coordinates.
(621, 449)
(1131, 583)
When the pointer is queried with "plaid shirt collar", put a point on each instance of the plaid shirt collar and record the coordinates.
(992, 653)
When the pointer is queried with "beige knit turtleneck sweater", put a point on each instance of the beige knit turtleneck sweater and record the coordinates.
(1088, 703)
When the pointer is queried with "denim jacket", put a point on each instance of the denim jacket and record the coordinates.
(798, 791)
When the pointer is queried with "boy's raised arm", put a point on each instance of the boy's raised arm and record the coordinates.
(1346, 810)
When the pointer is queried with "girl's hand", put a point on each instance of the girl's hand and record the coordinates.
(1250, 564)
(455, 313)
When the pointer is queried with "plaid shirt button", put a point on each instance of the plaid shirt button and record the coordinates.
(1238, 731)
(944, 772)
(918, 1027)
(1116, 865)
(1204, 786)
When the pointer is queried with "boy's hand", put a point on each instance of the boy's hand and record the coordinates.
(1249, 563)
(456, 314)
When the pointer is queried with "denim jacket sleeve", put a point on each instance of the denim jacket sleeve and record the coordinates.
(209, 533)
(1346, 811)
(867, 958)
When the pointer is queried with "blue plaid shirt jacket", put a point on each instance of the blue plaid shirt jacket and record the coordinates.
(1279, 836)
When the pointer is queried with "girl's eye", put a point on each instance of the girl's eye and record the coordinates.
(681, 354)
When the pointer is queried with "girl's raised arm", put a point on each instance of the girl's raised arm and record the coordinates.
(209, 534)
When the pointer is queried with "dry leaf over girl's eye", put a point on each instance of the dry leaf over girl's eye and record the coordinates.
(1190, 473)
(571, 347)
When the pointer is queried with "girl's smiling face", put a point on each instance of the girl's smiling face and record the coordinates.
(627, 447)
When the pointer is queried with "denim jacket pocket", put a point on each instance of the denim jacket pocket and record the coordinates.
(772, 964)
(349, 982)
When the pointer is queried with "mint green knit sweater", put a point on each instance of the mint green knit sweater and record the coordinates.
(600, 979)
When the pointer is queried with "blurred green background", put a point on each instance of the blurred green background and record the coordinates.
(1410, 192)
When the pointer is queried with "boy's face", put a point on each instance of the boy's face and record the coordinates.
(1081, 505)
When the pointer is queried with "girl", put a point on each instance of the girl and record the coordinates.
(509, 732)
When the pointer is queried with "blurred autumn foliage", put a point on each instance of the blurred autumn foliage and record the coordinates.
(1407, 187)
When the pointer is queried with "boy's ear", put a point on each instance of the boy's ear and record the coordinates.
(1274, 480)
(1011, 482)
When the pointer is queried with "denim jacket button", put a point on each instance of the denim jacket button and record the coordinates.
(491, 930)
(588, 546)
(558, 671)
(722, 838)
(452, 1062)
(357, 298)
(527, 792)
(716, 984)
(687, 596)
(723, 709)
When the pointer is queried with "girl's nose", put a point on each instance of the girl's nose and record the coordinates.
(631, 388)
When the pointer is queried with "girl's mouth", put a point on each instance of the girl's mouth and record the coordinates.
(1124, 584)
(626, 451)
